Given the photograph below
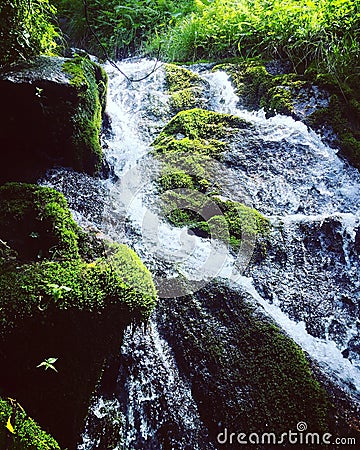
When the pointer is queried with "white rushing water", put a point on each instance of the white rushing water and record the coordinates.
(287, 173)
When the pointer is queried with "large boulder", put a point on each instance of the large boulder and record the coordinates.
(65, 300)
(51, 116)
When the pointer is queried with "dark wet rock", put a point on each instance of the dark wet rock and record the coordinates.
(51, 116)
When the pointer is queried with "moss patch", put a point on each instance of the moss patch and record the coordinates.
(186, 89)
(186, 147)
(26, 433)
(90, 81)
(35, 223)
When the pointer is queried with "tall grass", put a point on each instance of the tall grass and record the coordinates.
(324, 33)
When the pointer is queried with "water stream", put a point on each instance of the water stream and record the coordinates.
(309, 282)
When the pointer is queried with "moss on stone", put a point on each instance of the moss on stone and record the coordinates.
(279, 93)
(202, 124)
(26, 434)
(36, 223)
(244, 370)
(186, 89)
(66, 297)
(212, 216)
(90, 81)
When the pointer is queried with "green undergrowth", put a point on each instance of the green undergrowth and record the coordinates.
(122, 27)
(19, 432)
(323, 33)
(90, 81)
(26, 30)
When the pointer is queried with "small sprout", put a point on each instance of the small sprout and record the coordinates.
(57, 291)
(34, 235)
(38, 92)
(9, 426)
(48, 364)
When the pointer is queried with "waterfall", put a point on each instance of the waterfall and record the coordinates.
(308, 283)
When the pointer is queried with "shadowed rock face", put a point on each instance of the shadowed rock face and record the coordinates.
(51, 117)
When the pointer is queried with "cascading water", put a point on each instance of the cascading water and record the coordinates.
(308, 283)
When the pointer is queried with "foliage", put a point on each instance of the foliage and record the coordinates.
(48, 363)
(121, 26)
(26, 29)
(325, 32)
(25, 433)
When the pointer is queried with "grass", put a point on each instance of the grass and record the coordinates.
(324, 33)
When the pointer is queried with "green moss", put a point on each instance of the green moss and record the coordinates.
(39, 248)
(36, 222)
(178, 78)
(245, 370)
(342, 116)
(121, 279)
(226, 220)
(202, 124)
(185, 87)
(27, 435)
(278, 93)
(90, 82)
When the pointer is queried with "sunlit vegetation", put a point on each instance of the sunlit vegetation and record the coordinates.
(26, 29)
(323, 32)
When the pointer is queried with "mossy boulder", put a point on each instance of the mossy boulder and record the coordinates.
(319, 100)
(56, 302)
(51, 116)
(186, 89)
(19, 432)
(189, 147)
(245, 374)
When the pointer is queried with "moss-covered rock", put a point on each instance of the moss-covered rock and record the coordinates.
(187, 90)
(245, 374)
(55, 302)
(19, 432)
(187, 147)
(51, 115)
(317, 99)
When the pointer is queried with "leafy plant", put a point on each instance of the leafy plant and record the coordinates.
(122, 27)
(49, 364)
(26, 29)
(58, 291)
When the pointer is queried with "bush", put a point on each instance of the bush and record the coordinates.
(121, 26)
(26, 29)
